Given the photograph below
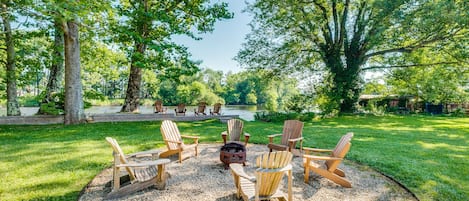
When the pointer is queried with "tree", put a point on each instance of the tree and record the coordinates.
(6, 14)
(345, 38)
(144, 30)
(56, 69)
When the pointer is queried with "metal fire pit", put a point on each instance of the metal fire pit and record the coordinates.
(232, 153)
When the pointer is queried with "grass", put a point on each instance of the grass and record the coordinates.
(429, 155)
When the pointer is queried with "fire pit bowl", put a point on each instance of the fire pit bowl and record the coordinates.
(232, 153)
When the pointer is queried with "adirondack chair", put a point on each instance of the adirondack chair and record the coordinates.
(141, 174)
(200, 109)
(265, 184)
(174, 140)
(216, 109)
(331, 171)
(292, 133)
(234, 131)
(180, 110)
(159, 107)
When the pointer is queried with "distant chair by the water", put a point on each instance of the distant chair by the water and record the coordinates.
(200, 109)
(180, 110)
(216, 109)
(158, 107)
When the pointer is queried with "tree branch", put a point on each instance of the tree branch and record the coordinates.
(408, 66)
(327, 32)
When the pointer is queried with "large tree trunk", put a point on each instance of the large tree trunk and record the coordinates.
(57, 66)
(132, 96)
(13, 108)
(74, 111)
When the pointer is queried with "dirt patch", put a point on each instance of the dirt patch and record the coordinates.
(204, 178)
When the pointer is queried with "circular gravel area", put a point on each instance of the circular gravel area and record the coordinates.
(204, 178)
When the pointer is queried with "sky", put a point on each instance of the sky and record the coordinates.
(216, 50)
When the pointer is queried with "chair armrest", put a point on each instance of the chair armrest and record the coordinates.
(143, 153)
(327, 158)
(190, 137)
(317, 150)
(295, 139)
(271, 137)
(246, 138)
(146, 163)
(238, 170)
(179, 142)
(275, 135)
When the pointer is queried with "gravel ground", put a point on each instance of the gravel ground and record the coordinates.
(204, 178)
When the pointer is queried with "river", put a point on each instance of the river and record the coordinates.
(245, 112)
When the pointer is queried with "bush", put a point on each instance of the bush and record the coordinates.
(281, 117)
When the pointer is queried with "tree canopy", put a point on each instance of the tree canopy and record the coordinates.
(342, 39)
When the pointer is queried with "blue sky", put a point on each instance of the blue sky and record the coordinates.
(216, 50)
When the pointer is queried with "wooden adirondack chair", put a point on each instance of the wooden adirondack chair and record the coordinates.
(332, 161)
(174, 140)
(265, 184)
(141, 174)
(292, 133)
(216, 109)
(234, 131)
(180, 110)
(200, 109)
(159, 107)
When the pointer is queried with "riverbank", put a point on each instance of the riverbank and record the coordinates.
(117, 117)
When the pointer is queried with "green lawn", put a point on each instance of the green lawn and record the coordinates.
(429, 155)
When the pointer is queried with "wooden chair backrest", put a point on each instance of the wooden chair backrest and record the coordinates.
(181, 107)
(117, 150)
(340, 150)
(170, 131)
(216, 108)
(235, 129)
(266, 173)
(291, 129)
(201, 107)
(159, 106)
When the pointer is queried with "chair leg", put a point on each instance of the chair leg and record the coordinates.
(161, 177)
(333, 177)
(306, 179)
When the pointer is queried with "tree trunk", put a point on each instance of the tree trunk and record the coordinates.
(56, 69)
(74, 111)
(132, 96)
(13, 108)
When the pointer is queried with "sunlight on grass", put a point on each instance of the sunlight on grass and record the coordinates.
(429, 155)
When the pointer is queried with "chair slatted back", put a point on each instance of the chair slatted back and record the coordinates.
(291, 129)
(235, 129)
(201, 107)
(159, 106)
(170, 132)
(117, 150)
(181, 108)
(340, 150)
(216, 108)
(266, 173)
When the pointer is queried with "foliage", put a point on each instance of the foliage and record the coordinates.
(281, 116)
(342, 39)
(58, 161)
(299, 103)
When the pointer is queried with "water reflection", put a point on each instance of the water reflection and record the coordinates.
(245, 112)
